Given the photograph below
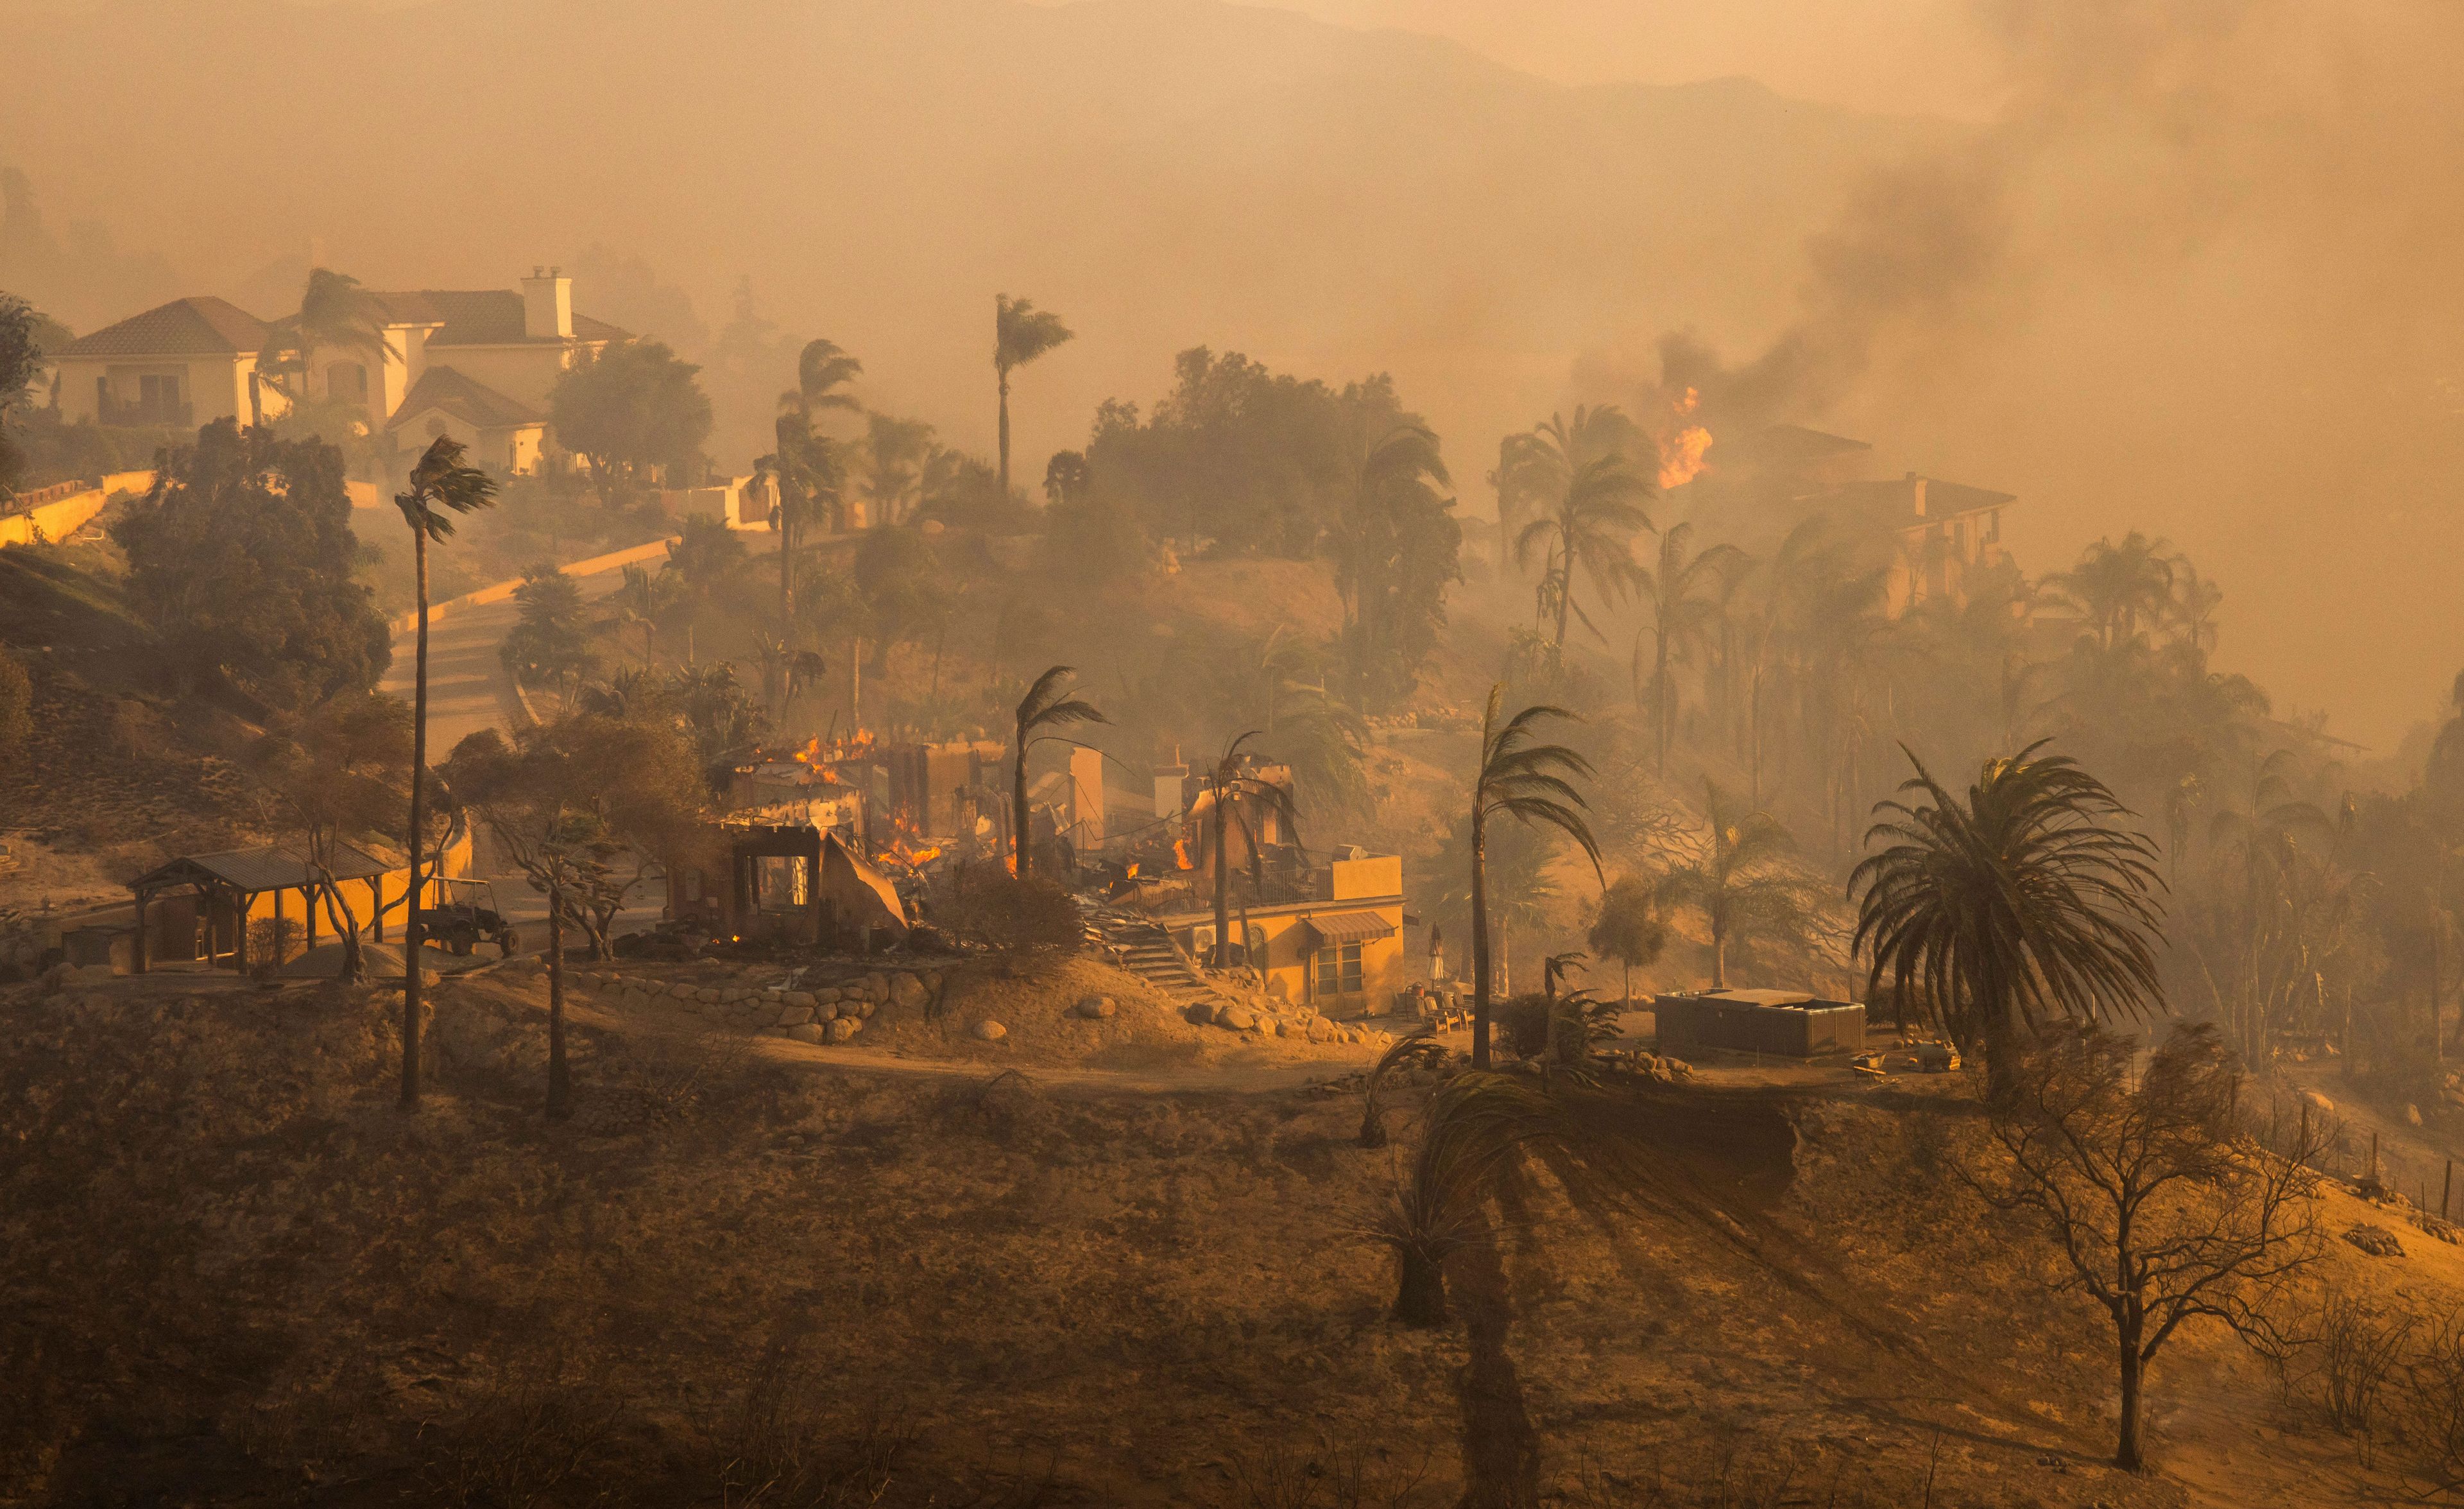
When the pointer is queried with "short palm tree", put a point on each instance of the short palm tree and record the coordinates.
(1232, 790)
(1743, 883)
(806, 464)
(1476, 1125)
(1684, 596)
(1046, 705)
(2124, 588)
(442, 485)
(1020, 333)
(1592, 508)
(2028, 901)
(1529, 782)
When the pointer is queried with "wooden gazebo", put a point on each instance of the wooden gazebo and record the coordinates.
(228, 884)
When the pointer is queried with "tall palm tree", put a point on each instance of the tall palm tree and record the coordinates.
(2028, 900)
(643, 601)
(1522, 481)
(442, 485)
(1683, 594)
(1527, 781)
(806, 464)
(1020, 333)
(1589, 513)
(1046, 705)
(1232, 790)
(1395, 480)
(1743, 882)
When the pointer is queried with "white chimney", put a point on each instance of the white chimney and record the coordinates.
(1917, 492)
(547, 304)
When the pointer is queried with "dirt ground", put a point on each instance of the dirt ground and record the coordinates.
(240, 1275)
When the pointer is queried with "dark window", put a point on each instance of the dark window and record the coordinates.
(1338, 970)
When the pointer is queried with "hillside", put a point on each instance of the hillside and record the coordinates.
(738, 1264)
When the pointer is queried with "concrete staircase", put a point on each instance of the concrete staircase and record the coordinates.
(1146, 950)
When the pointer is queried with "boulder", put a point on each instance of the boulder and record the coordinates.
(1200, 1013)
(875, 987)
(2318, 1103)
(859, 1009)
(1320, 1029)
(729, 995)
(909, 992)
(793, 1015)
(806, 998)
(1095, 1007)
(990, 1030)
(2376, 1240)
(1235, 1018)
(806, 1032)
(682, 993)
(2412, 1116)
(839, 1031)
(826, 997)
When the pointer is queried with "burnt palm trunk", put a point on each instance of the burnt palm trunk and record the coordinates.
(1421, 1289)
(1480, 992)
(559, 1075)
(1223, 883)
(1018, 805)
(1003, 371)
(414, 928)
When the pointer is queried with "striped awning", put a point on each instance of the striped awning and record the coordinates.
(1348, 927)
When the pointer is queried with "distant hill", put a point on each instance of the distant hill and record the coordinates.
(1164, 174)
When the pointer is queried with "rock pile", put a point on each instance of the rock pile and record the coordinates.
(1283, 1020)
(818, 1013)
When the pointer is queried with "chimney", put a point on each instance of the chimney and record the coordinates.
(1917, 493)
(547, 305)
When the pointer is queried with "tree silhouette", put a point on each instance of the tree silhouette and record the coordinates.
(1020, 333)
(1046, 705)
(1527, 781)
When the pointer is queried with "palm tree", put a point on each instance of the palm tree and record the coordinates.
(1396, 483)
(1231, 789)
(2124, 588)
(1742, 883)
(1522, 481)
(2030, 900)
(806, 464)
(1020, 333)
(1527, 781)
(441, 485)
(1590, 512)
(1043, 706)
(643, 601)
(1685, 596)
(896, 452)
(1476, 1124)
(333, 314)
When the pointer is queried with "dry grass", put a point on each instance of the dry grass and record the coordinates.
(238, 1274)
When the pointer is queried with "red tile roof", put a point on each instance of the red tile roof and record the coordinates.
(183, 327)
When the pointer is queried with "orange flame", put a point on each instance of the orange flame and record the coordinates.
(1180, 855)
(1681, 452)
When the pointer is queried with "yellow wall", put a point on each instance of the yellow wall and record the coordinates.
(1289, 948)
(524, 373)
(1379, 874)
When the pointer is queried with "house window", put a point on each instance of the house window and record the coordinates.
(158, 398)
(1338, 970)
(778, 883)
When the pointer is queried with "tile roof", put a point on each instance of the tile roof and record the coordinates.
(473, 401)
(477, 315)
(205, 327)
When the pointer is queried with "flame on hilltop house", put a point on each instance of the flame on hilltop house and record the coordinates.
(822, 756)
(1681, 452)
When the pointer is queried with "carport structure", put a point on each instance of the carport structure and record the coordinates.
(227, 886)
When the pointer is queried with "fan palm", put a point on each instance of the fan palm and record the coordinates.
(1020, 333)
(2123, 588)
(806, 464)
(1232, 791)
(1529, 782)
(442, 486)
(1590, 512)
(2028, 901)
(1396, 483)
(1420, 1045)
(1742, 883)
(1046, 705)
(643, 600)
(1683, 595)
(333, 314)
(1476, 1124)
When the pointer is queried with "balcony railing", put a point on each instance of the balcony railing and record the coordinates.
(141, 413)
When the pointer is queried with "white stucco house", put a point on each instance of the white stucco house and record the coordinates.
(476, 363)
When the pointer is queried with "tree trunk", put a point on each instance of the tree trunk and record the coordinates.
(1223, 883)
(347, 925)
(1018, 807)
(1420, 1290)
(2001, 1054)
(1718, 953)
(1663, 699)
(1479, 977)
(414, 929)
(1005, 430)
(2129, 1454)
(1565, 602)
(559, 1075)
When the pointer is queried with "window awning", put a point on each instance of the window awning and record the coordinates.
(1348, 927)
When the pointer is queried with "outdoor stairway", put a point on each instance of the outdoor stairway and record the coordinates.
(1144, 950)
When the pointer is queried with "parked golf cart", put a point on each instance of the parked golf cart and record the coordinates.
(469, 917)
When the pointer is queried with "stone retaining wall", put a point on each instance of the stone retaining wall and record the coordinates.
(782, 1006)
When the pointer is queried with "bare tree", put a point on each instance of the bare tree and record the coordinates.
(2152, 1186)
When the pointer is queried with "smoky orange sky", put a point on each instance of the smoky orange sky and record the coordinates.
(2194, 267)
